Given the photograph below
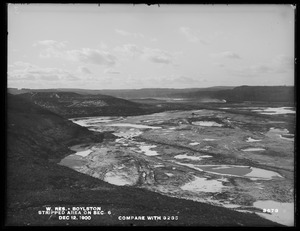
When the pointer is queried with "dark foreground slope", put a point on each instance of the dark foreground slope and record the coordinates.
(70, 104)
(37, 139)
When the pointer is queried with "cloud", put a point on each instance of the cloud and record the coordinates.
(188, 34)
(92, 56)
(51, 43)
(122, 32)
(85, 55)
(187, 80)
(103, 46)
(152, 54)
(131, 50)
(20, 65)
(50, 48)
(176, 81)
(157, 55)
(84, 70)
(250, 71)
(191, 36)
(219, 64)
(51, 52)
(226, 54)
(279, 64)
(26, 71)
(129, 34)
(111, 71)
(283, 63)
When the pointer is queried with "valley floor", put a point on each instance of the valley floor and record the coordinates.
(233, 160)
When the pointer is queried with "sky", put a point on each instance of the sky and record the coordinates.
(127, 46)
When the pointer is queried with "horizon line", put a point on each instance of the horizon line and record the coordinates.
(70, 88)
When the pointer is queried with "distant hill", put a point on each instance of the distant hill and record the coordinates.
(228, 93)
(247, 93)
(126, 93)
(260, 93)
(157, 92)
(70, 104)
(16, 91)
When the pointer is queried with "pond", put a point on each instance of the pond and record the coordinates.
(207, 124)
(191, 157)
(235, 170)
(147, 151)
(203, 185)
(280, 133)
(253, 149)
(73, 161)
(275, 110)
(282, 213)
(132, 125)
(249, 139)
(231, 170)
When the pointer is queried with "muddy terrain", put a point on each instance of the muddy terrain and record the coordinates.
(235, 160)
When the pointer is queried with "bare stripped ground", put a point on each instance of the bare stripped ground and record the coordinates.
(230, 160)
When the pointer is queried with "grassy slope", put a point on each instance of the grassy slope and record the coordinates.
(70, 104)
(37, 139)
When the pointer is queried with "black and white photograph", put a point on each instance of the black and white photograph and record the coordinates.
(150, 115)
